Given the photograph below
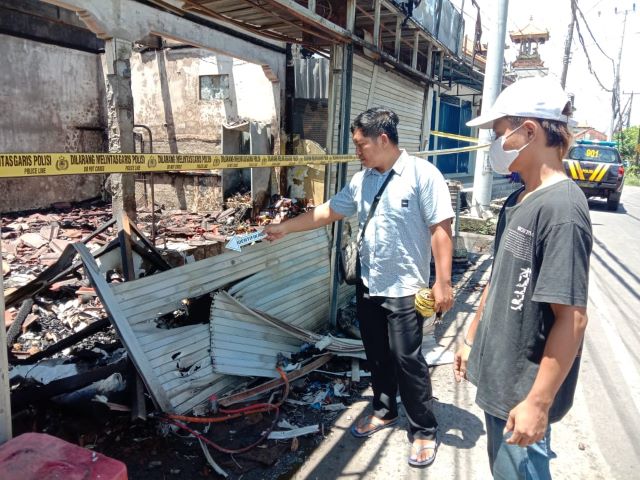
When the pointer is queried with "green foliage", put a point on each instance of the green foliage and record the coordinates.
(486, 227)
(632, 175)
(627, 142)
(632, 180)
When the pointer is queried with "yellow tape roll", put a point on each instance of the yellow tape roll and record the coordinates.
(425, 303)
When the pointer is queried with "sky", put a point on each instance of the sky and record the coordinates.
(593, 104)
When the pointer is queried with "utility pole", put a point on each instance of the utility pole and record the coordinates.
(638, 148)
(483, 175)
(567, 45)
(615, 94)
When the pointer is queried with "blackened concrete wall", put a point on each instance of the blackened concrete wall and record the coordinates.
(51, 100)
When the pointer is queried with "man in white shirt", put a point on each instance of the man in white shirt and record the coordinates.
(412, 219)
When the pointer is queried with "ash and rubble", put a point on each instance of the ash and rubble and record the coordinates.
(95, 369)
(95, 372)
(33, 241)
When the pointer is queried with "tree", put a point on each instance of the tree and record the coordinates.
(629, 143)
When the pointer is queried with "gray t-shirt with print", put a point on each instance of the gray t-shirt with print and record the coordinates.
(542, 254)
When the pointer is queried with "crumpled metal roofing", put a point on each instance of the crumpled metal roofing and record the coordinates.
(247, 341)
(176, 364)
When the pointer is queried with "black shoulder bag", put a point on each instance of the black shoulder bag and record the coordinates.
(349, 255)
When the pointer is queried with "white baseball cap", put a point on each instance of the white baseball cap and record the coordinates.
(533, 97)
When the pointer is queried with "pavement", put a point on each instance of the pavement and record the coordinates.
(598, 439)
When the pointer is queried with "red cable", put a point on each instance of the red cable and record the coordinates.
(233, 413)
(221, 448)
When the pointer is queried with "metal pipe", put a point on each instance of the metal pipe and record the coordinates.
(331, 121)
(341, 177)
(152, 185)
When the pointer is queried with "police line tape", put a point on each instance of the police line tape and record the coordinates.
(14, 165)
(453, 136)
(35, 164)
(449, 151)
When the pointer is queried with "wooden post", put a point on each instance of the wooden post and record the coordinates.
(416, 45)
(5, 396)
(428, 110)
(124, 236)
(429, 70)
(376, 25)
(398, 37)
(117, 78)
(138, 409)
(351, 15)
(311, 5)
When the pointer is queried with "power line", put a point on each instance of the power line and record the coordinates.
(584, 48)
(594, 6)
(575, 2)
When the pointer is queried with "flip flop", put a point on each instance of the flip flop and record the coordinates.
(368, 421)
(429, 460)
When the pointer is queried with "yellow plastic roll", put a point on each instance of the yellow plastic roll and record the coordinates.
(425, 303)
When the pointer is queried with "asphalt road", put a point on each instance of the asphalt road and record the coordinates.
(610, 373)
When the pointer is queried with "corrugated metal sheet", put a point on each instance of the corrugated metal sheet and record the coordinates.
(451, 27)
(164, 291)
(247, 341)
(176, 363)
(311, 78)
(241, 344)
(295, 291)
(373, 86)
(426, 13)
(408, 105)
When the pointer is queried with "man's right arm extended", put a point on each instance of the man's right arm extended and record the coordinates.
(316, 218)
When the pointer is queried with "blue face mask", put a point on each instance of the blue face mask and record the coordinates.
(502, 159)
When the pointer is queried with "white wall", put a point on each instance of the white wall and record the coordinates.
(165, 88)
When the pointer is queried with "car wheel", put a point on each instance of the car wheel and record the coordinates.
(613, 201)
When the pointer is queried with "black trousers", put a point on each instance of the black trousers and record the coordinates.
(392, 335)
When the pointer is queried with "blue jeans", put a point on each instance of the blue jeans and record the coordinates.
(511, 462)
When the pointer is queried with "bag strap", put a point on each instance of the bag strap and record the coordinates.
(372, 210)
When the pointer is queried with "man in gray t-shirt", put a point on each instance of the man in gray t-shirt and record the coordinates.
(523, 347)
